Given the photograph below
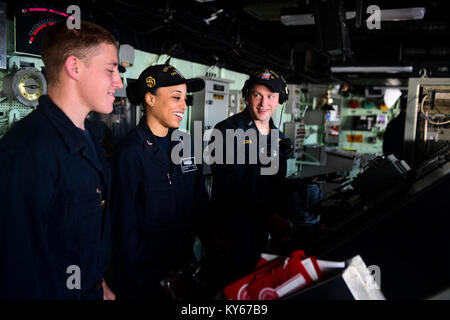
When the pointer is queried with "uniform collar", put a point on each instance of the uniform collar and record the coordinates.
(247, 118)
(151, 143)
(148, 133)
(149, 138)
(90, 126)
(69, 132)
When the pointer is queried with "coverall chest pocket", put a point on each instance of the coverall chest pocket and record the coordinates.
(76, 224)
(87, 214)
(160, 204)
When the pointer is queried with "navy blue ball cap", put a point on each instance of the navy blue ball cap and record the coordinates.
(269, 78)
(165, 75)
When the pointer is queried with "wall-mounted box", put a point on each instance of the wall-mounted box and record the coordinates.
(293, 102)
(210, 106)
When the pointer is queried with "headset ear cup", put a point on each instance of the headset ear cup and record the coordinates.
(285, 92)
(282, 97)
(286, 96)
(245, 90)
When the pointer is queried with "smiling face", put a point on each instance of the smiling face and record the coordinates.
(99, 79)
(262, 102)
(166, 108)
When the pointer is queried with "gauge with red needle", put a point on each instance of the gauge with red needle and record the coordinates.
(31, 22)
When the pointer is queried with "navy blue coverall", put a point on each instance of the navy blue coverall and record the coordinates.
(157, 208)
(242, 199)
(52, 213)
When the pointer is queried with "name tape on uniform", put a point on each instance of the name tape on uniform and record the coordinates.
(188, 164)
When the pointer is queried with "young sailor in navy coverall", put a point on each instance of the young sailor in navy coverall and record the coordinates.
(54, 177)
(158, 204)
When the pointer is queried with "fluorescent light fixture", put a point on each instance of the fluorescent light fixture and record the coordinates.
(389, 87)
(297, 19)
(306, 19)
(402, 14)
(385, 15)
(213, 16)
(393, 69)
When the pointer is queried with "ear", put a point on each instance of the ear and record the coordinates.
(72, 66)
(149, 99)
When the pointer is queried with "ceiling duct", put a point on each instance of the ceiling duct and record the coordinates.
(331, 29)
(267, 10)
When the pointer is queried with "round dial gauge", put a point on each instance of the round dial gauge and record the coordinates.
(26, 85)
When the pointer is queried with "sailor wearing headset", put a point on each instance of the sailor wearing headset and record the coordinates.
(247, 202)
